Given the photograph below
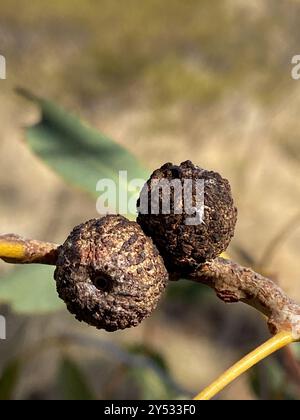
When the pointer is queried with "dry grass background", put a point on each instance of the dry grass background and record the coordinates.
(172, 80)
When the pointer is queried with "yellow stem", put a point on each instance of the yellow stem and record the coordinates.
(270, 346)
(17, 250)
(12, 250)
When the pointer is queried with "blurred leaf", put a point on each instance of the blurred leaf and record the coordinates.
(243, 255)
(30, 289)
(150, 353)
(295, 348)
(290, 145)
(9, 379)
(150, 385)
(188, 292)
(268, 381)
(78, 153)
(72, 382)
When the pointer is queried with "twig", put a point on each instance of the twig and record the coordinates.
(231, 282)
(234, 283)
(17, 250)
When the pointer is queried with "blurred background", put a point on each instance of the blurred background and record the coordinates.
(170, 81)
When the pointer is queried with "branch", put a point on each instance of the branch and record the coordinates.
(231, 282)
(234, 283)
(17, 250)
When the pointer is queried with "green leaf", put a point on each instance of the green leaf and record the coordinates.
(81, 156)
(149, 384)
(186, 292)
(295, 348)
(268, 380)
(72, 382)
(9, 379)
(78, 153)
(150, 353)
(30, 289)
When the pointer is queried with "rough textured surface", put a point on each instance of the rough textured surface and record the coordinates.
(185, 246)
(109, 273)
(30, 250)
(234, 283)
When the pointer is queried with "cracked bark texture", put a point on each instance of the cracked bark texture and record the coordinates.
(234, 283)
(231, 282)
(29, 251)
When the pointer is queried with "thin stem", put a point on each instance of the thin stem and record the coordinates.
(11, 250)
(270, 346)
(17, 250)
